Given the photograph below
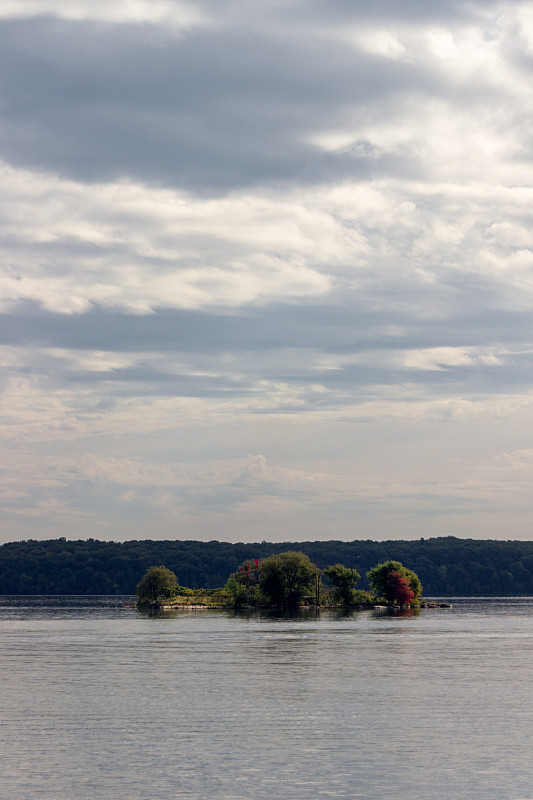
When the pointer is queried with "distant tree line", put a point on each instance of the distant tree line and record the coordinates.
(446, 566)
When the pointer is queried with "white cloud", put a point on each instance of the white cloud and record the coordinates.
(132, 247)
(136, 248)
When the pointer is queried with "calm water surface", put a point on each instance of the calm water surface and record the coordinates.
(100, 702)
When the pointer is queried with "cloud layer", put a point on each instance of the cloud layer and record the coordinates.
(266, 272)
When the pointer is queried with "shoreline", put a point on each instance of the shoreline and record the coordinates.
(198, 607)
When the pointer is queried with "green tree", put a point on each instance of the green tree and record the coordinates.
(156, 582)
(248, 573)
(243, 585)
(344, 580)
(238, 592)
(386, 584)
(286, 578)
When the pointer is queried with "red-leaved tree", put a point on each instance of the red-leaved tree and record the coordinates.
(398, 589)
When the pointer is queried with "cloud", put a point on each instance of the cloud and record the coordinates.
(123, 246)
(235, 103)
(293, 230)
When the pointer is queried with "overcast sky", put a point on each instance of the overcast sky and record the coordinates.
(266, 269)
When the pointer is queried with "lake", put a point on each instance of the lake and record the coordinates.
(102, 702)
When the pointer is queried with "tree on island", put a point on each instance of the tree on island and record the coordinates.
(399, 588)
(283, 579)
(394, 583)
(343, 579)
(156, 582)
(244, 584)
(286, 578)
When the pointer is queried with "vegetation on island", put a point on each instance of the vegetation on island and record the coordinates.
(157, 582)
(447, 566)
(283, 579)
(286, 580)
(159, 586)
(394, 583)
(343, 579)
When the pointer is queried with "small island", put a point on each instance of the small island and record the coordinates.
(287, 580)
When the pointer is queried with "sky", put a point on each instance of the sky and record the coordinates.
(266, 269)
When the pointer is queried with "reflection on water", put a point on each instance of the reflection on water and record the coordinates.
(101, 701)
(54, 605)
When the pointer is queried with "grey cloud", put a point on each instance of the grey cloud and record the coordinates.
(315, 12)
(101, 103)
(333, 327)
(197, 354)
